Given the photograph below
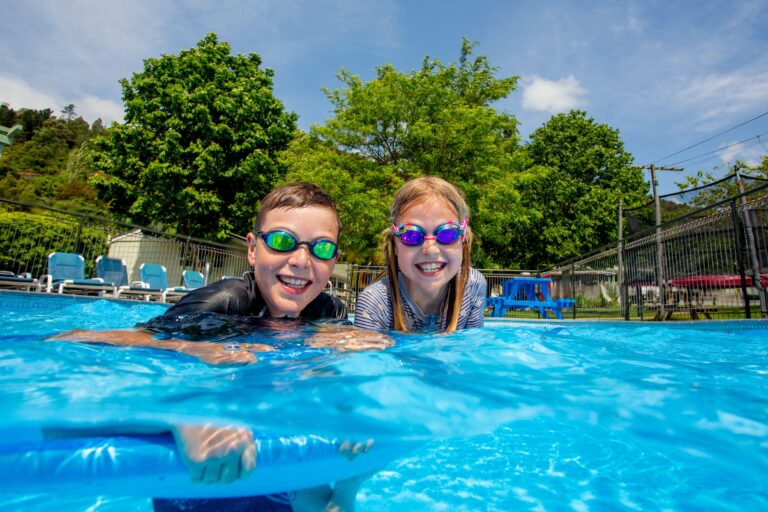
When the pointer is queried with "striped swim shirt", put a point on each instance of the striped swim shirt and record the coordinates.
(374, 307)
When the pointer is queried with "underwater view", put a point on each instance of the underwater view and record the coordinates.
(536, 416)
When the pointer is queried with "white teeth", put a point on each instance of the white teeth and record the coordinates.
(294, 282)
(430, 267)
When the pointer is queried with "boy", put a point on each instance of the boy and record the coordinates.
(292, 251)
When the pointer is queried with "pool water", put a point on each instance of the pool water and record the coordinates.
(568, 416)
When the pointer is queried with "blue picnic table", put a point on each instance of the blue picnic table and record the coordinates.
(528, 293)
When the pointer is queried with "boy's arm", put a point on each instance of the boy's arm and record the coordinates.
(210, 352)
(216, 454)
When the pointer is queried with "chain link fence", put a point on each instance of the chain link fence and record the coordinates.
(29, 233)
(711, 263)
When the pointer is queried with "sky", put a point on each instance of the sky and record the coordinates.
(670, 76)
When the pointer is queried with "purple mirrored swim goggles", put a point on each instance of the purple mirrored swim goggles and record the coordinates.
(444, 234)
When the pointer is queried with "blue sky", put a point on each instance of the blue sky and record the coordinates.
(666, 74)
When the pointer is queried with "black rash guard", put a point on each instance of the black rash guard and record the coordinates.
(233, 298)
(241, 297)
(232, 307)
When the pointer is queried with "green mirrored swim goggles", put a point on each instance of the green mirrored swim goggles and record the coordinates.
(285, 241)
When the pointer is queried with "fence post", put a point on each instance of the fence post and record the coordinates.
(739, 259)
(754, 263)
(573, 290)
(350, 273)
(623, 295)
(77, 236)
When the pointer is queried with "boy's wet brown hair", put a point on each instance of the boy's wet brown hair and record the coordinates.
(417, 191)
(296, 195)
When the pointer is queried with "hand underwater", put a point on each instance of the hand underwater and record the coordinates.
(216, 454)
(349, 339)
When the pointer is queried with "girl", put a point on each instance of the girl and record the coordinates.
(429, 285)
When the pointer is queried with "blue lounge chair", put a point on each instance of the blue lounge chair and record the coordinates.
(25, 281)
(66, 272)
(112, 270)
(154, 283)
(193, 279)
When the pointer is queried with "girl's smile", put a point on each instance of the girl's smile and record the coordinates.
(428, 268)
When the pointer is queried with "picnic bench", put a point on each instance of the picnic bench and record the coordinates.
(671, 309)
(528, 293)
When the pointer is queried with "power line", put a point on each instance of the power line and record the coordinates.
(702, 159)
(718, 150)
(712, 137)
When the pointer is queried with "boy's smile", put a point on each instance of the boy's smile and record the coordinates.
(289, 281)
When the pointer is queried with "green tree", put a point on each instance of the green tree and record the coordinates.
(437, 120)
(583, 173)
(7, 116)
(52, 167)
(723, 189)
(199, 144)
(355, 183)
(68, 113)
(32, 121)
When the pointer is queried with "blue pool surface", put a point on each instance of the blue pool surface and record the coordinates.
(536, 416)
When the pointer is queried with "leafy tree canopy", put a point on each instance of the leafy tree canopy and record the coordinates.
(31, 120)
(437, 120)
(583, 172)
(721, 189)
(47, 163)
(199, 144)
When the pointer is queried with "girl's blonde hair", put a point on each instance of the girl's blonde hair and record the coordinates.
(417, 191)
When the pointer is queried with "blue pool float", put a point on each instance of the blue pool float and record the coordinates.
(149, 465)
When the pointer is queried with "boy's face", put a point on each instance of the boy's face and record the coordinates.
(288, 281)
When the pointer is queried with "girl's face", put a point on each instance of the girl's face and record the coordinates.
(428, 268)
(289, 281)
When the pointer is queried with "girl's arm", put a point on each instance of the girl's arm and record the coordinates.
(347, 338)
(475, 292)
(373, 310)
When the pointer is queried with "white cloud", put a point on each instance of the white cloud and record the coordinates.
(19, 94)
(551, 96)
(724, 94)
(92, 108)
(751, 154)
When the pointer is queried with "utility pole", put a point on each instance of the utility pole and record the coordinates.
(659, 247)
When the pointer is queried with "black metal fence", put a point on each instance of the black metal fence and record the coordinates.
(709, 264)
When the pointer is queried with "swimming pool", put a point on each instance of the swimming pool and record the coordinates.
(550, 416)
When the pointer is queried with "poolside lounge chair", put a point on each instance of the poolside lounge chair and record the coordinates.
(154, 283)
(192, 280)
(25, 281)
(112, 270)
(66, 272)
